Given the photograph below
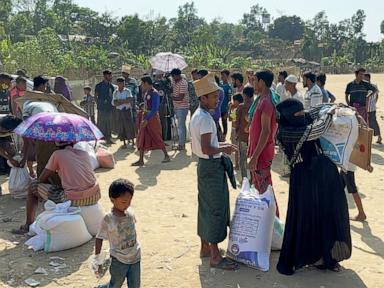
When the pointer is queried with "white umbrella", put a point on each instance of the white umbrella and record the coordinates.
(166, 61)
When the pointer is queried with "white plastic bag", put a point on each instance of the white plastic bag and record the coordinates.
(278, 234)
(89, 147)
(59, 227)
(19, 180)
(250, 236)
(92, 215)
(340, 138)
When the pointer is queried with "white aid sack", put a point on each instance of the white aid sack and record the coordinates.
(18, 182)
(58, 228)
(340, 138)
(92, 215)
(89, 147)
(250, 236)
(278, 234)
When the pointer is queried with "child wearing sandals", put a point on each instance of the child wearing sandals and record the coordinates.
(118, 227)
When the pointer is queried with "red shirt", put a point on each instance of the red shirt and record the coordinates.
(265, 105)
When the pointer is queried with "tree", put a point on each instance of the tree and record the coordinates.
(253, 20)
(382, 27)
(20, 25)
(288, 28)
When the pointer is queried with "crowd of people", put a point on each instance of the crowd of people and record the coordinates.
(155, 109)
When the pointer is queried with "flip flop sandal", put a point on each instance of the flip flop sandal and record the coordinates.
(225, 264)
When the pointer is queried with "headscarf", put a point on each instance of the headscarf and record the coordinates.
(288, 122)
(61, 87)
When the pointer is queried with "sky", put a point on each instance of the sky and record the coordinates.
(233, 10)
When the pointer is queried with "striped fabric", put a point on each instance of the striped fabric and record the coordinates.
(56, 194)
(180, 87)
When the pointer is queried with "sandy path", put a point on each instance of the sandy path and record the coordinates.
(166, 204)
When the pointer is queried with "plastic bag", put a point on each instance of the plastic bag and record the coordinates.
(340, 138)
(19, 180)
(99, 264)
(89, 147)
(105, 158)
(250, 236)
(278, 234)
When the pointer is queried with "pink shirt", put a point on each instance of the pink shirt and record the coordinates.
(265, 105)
(75, 171)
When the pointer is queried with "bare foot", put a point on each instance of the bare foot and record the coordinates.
(359, 218)
(166, 159)
(204, 253)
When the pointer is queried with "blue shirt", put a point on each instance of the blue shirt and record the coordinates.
(104, 91)
(227, 96)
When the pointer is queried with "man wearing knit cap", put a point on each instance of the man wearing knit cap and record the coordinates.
(213, 193)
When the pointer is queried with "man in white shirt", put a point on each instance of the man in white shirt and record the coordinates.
(313, 96)
(213, 193)
(280, 87)
(290, 85)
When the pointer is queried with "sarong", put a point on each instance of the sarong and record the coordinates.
(362, 110)
(149, 137)
(213, 199)
(126, 125)
(104, 122)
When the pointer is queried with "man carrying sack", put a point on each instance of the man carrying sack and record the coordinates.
(213, 193)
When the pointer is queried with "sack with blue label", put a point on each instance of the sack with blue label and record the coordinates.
(340, 138)
(250, 236)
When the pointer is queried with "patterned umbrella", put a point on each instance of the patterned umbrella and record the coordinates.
(167, 61)
(50, 126)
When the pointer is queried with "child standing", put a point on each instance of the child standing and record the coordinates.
(237, 99)
(88, 103)
(118, 227)
(124, 101)
(16, 92)
(242, 130)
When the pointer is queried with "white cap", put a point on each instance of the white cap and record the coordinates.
(292, 79)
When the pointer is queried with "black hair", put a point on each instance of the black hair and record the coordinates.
(194, 71)
(107, 72)
(322, 78)
(120, 187)
(21, 72)
(176, 72)
(217, 79)
(249, 91)
(10, 122)
(360, 70)
(284, 74)
(39, 80)
(368, 75)
(5, 76)
(226, 72)
(147, 79)
(266, 76)
(238, 76)
(310, 75)
(238, 97)
(87, 88)
(21, 79)
(120, 80)
(203, 72)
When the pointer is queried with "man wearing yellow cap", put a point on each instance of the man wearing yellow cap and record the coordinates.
(213, 193)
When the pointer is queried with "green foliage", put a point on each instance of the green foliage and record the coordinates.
(59, 36)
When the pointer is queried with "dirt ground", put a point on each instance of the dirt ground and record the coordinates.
(165, 204)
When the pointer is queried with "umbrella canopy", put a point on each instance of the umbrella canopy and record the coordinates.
(167, 61)
(62, 103)
(52, 126)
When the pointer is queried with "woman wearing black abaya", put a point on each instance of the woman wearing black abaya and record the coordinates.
(317, 225)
